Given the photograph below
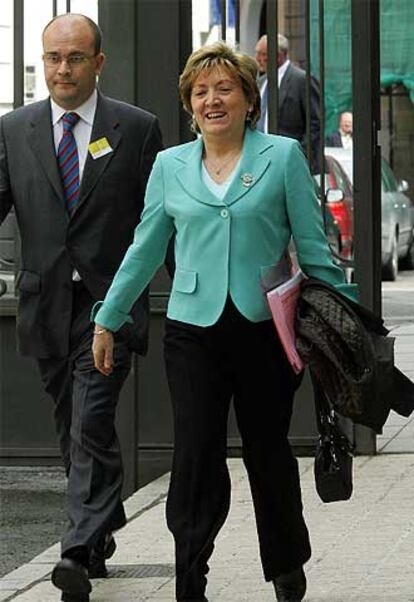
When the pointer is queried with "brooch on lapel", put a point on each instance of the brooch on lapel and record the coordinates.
(247, 179)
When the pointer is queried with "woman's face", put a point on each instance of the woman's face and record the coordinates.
(218, 103)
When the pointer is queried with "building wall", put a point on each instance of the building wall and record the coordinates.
(397, 139)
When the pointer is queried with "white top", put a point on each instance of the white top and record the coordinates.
(82, 130)
(219, 190)
(280, 73)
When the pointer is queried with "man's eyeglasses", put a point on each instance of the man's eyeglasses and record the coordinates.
(74, 60)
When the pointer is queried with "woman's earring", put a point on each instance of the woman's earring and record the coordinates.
(249, 115)
(193, 125)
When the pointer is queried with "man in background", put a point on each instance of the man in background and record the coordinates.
(343, 136)
(261, 60)
(75, 168)
(292, 99)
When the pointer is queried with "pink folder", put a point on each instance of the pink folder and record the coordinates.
(282, 302)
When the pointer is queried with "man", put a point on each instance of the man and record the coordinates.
(75, 167)
(343, 136)
(261, 60)
(292, 99)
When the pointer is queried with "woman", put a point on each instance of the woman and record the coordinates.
(233, 198)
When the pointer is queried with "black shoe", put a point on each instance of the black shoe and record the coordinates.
(290, 587)
(72, 578)
(104, 549)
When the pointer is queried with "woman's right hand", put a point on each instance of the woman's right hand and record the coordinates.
(102, 349)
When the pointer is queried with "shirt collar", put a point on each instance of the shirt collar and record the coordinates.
(282, 69)
(86, 111)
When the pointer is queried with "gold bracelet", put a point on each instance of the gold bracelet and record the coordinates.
(100, 331)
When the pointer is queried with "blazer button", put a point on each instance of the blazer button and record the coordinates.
(224, 213)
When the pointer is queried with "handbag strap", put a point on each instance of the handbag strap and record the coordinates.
(323, 409)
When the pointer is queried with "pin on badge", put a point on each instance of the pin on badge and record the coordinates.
(247, 179)
(99, 148)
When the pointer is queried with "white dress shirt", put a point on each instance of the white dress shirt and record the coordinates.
(280, 73)
(82, 130)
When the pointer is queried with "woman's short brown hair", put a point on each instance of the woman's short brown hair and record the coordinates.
(241, 67)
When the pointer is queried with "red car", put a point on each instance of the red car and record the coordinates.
(340, 202)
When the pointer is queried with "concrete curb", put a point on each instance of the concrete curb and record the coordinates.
(30, 574)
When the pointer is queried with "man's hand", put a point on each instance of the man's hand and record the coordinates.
(102, 349)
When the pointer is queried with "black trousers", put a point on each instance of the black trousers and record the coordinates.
(206, 367)
(85, 407)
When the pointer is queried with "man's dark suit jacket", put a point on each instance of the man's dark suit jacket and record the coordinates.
(94, 240)
(334, 139)
(292, 110)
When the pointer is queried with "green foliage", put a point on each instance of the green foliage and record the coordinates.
(397, 51)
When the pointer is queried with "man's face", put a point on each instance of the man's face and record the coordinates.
(281, 57)
(261, 55)
(346, 123)
(70, 82)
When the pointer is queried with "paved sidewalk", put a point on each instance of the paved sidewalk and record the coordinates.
(398, 432)
(363, 550)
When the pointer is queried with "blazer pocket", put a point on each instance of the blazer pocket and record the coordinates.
(28, 282)
(185, 281)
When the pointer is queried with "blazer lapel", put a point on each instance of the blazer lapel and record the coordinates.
(189, 174)
(40, 138)
(284, 85)
(106, 124)
(251, 168)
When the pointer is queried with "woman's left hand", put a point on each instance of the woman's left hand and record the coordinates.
(102, 349)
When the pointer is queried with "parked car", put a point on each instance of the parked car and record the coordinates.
(340, 202)
(333, 235)
(340, 205)
(397, 224)
(397, 216)
(333, 231)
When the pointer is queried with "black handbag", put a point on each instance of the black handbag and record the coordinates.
(334, 454)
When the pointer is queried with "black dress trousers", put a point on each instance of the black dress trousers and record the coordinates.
(206, 368)
(85, 408)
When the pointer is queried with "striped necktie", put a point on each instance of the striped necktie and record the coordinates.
(68, 161)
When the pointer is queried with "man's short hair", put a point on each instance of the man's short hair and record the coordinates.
(96, 30)
(283, 42)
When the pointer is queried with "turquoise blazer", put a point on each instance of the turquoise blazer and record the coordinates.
(223, 247)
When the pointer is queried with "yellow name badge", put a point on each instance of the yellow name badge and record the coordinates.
(99, 148)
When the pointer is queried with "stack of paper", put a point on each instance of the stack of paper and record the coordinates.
(282, 303)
